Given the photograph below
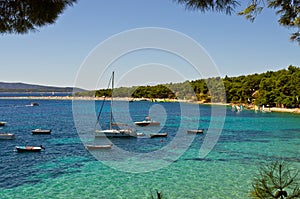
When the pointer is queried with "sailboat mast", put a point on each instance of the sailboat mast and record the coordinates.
(111, 101)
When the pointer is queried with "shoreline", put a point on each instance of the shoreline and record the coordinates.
(272, 109)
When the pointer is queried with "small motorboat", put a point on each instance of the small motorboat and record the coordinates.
(196, 131)
(33, 104)
(41, 131)
(140, 134)
(154, 135)
(147, 122)
(7, 136)
(29, 148)
(95, 147)
(2, 123)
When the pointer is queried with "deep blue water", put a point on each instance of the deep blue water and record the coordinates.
(65, 169)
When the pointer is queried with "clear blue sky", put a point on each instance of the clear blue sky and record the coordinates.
(54, 54)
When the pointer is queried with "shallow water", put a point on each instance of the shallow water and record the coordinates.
(67, 170)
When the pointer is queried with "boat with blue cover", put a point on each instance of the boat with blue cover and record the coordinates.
(29, 148)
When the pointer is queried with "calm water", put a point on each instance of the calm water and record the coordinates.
(67, 170)
(35, 94)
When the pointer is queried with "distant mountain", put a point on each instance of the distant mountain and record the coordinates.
(22, 87)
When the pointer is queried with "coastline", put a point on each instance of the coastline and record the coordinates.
(272, 109)
(285, 110)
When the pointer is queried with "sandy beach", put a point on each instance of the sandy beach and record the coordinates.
(285, 110)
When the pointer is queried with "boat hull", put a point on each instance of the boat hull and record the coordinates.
(7, 136)
(199, 131)
(2, 123)
(40, 131)
(28, 148)
(115, 134)
(147, 123)
(97, 147)
(155, 135)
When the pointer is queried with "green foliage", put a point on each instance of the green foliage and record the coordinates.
(159, 91)
(288, 10)
(85, 94)
(103, 93)
(220, 6)
(22, 16)
(280, 88)
(276, 180)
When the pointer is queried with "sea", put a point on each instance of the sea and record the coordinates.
(220, 163)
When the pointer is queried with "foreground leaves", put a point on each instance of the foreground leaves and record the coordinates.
(22, 16)
(276, 180)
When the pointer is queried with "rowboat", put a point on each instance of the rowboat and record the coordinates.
(29, 148)
(41, 131)
(154, 135)
(7, 136)
(95, 147)
(197, 131)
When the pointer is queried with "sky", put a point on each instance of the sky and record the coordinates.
(60, 54)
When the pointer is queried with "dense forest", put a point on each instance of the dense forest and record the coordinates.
(280, 88)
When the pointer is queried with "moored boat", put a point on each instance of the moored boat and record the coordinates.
(114, 133)
(41, 131)
(33, 104)
(95, 147)
(2, 123)
(154, 135)
(7, 136)
(147, 122)
(196, 131)
(29, 148)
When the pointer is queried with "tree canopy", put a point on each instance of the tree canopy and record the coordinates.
(280, 88)
(22, 16)
(288, 10)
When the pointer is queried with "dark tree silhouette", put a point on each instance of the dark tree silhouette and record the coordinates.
(22, 16)
(276, 180)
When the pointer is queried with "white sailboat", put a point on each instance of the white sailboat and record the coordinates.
(114, 133)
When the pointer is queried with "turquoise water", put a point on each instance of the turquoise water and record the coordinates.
(67, 170)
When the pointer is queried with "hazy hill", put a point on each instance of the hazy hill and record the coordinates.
(22, 87)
